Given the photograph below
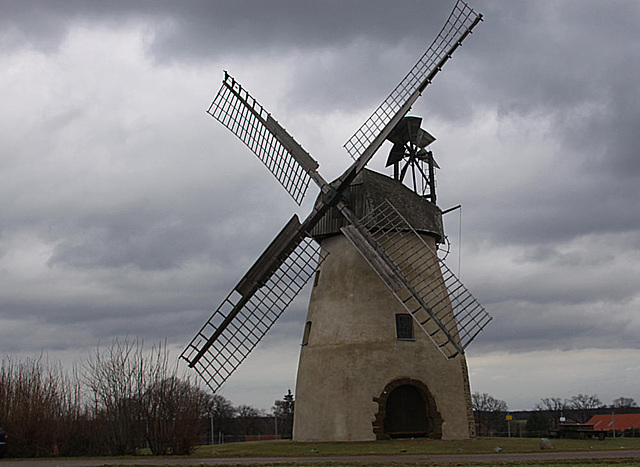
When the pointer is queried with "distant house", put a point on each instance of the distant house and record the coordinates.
(619, 422)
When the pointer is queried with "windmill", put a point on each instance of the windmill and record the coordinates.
(363, 373)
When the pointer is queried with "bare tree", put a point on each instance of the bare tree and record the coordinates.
(173, 409)
(115, 377)
(248, 419)
(222, 411)
(538, 424)
(552, 404)
(190, 410)
(487, 403)
(583, 406)
(33, 404)
(142, 401)
(74, 427)
(489, 413)
(220, 407)
(125, 399)
(624, 403)
(554, 407)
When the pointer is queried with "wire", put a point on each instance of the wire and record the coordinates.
(460, 243)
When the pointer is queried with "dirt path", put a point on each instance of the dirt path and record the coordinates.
(398, 459)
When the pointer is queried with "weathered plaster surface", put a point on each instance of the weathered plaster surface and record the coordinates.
(353, 354)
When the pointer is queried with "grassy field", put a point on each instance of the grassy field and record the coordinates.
(413, 446)
(576, 463)
(395, 448)
(424, 446)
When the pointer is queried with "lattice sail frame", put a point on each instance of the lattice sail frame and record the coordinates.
(254, 320)
(234, 107)
(459, 24)
(439, 303)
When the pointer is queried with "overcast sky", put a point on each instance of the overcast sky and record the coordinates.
(126, 210)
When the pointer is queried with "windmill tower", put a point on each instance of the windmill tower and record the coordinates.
(383, 345)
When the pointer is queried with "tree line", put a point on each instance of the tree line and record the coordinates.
(244, 422)
(118, 400)
(122, 398)
(490, 413)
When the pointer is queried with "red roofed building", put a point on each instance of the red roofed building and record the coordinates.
(619, 422)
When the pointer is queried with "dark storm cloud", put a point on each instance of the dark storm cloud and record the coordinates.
(575, 61)
(555, 211)
(130, 238)
(204, 30)
(526, 327)
(44, 25)
(570, 66)
(207, 29)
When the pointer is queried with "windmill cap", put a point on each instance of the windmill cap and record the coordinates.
(368, 191)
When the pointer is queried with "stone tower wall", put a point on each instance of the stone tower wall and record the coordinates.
(352, 354)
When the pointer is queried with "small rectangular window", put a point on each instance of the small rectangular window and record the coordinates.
(316, 278)
(404, 326)
(307, 331)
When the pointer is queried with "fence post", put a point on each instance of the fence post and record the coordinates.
(213, 433)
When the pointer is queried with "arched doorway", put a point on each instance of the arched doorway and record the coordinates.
(406, 413)
(406, 409)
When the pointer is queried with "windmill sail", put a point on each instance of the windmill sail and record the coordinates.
(292, 166)
(439, 303)
(366, 141)
(251, 309)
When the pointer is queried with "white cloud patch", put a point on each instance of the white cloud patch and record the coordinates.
(523, 379)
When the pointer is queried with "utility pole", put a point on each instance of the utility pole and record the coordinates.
(213, 433)
(275, 423)
(613, 421)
